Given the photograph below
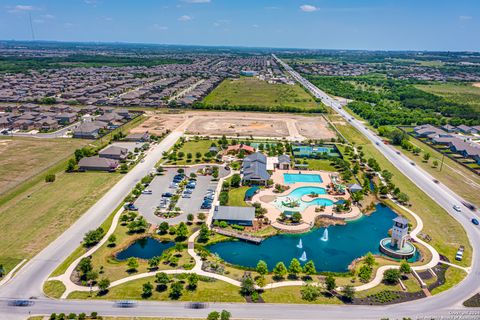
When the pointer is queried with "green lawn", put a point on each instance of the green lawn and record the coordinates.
(446, 233)
(254, 92)
(216, 291)
(37, 216)
(317, 164)
(193, 147)
(54, 288)
(236, 197)
(452, 276)
(463, 93)
(293, 295)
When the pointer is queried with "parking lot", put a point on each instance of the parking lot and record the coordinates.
(148, 203)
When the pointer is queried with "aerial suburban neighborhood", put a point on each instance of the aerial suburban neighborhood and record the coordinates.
(254, 180)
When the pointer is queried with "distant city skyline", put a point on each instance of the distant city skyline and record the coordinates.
(315, 24)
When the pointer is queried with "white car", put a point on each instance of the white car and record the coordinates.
(147, 191)
(457, 208)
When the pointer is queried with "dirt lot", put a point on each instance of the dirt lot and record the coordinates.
(239, 124)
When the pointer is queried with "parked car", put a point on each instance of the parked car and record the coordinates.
(167, 195)
(186, 195)
(206, 205)
(130, 206)
(146, 191)
(189, 191)
(475, 221)
(173, 185)
(457, 208)
(190, 186)
(209, 197)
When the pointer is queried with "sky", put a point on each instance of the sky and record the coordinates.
(323, 24)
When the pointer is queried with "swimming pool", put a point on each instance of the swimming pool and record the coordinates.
(284, 203)
(291, 178)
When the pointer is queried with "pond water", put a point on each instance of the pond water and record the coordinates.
(145, 248)
(333, 250)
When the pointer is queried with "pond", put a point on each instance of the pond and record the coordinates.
(331, 250)
(145, 248)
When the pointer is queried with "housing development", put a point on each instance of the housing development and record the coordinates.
(178, 182)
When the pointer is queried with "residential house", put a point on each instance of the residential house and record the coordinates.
(114, 152)
(97, 164)
(66, 118)
(87, 130)
(138, 137)
(464, 129)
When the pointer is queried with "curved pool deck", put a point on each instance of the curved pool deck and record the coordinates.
(308, 213)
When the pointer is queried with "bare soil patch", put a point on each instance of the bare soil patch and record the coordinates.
(314, 128)
(157, 123)
(238, 126)
(476, 84)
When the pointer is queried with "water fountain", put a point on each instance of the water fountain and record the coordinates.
(325, 235)
(303, 258)
(300, 244)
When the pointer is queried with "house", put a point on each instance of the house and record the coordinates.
(426, 130)
(48, 124)
(138, 137)
(254, 169)
(87, 130)
(239, 147)
(243, 216)
(66, 118)
(464, 129)
(284, 162)
(449, 128)
(97, 164)
(114, 152)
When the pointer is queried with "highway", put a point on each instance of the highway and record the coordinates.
(28, 281)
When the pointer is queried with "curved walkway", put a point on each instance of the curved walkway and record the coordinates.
(70, 286)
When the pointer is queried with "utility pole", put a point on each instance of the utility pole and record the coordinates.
(441, 165)
(31, 26)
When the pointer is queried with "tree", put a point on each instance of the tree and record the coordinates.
(262, 267)
(2, 270)
(71, 165)
(85, 265)
(93, 237)
(365, 273)
(163, 227)
(309, 268)
(154, 262)
(111, 240)
(204, 234)
(103, 285)
(391, 276)
(162, 279)
(214, 315)
(201, 216)
(310, 292)
(147, 290)
(435, 163)
(403, 197)
(295, 268)
(132, 263)
(182, 231)
(50, 177)
(225, 315)
(296, 217)
(348, 292)
(426, 157)
(190, 217)
(405, 267)
(176, 290)
(123, 168)
(247, 286)
(192, 280)
(370, 259)
(280, 270)
(330, 283)
(235, 181)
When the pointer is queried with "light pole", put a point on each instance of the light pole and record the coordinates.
(441, 164)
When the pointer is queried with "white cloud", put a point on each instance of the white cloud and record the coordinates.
(185, 18)
(48, 16)
(196, 1)
(308, 8)
(255, 26)
(465, 18)
(158, 27)
(21, 8)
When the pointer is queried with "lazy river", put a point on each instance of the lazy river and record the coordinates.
(343, 244)
(296, 197)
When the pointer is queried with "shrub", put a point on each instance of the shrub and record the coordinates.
(310, 292)
(50, 177)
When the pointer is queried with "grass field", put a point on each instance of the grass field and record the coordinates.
(236, 197)
(463, 93)
(446, 233)
(215, 291)
(35, 217)
(251, 91)
(54, 289)
(23, 158)
(293, 295)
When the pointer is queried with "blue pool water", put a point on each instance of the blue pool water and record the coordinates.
(145, 248)
(290, 178)
(345, 243)
(297, 194)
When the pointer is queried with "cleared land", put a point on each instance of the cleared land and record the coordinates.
(216, 123)
(446, 233)
(254, 92)
(463, 93)
(23, 158)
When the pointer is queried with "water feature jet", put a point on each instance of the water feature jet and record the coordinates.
(303, 258)
(325, 235)
(300, 244)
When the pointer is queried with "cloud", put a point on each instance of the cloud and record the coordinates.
(196, 1)
(255, 26)
(463, 18)
(185, 18)
(21, 8)
(158, 27)
(48, 16)
(308, 8)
